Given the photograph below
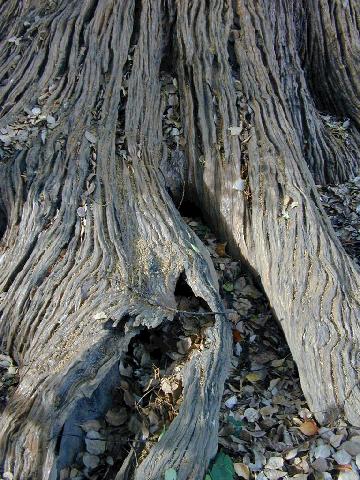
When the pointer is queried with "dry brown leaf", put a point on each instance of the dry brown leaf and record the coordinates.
(309, 428)
(220, 249)
(237, 336)
(343, 468)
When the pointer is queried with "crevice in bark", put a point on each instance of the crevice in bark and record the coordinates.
(139, 397)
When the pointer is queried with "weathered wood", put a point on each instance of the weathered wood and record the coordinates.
(92, 233)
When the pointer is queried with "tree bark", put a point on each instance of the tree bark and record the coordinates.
(89, 199)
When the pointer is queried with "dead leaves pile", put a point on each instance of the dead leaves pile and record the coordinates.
(266, 429)
(342, 205)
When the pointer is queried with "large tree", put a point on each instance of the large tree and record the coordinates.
(91, 181)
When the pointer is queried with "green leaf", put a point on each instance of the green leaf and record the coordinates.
(237, 424)
(207, 477)
(228, 287)
(223, 468)
(170, 474)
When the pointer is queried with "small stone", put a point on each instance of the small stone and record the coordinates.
(322, 451)
(251, 415)
(275, 463)
(95, 443)
(320, 465)
(352, 446)
(342, 457)
(90, 461)
(109, 460)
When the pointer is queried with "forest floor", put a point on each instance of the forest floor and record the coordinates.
(266, 429)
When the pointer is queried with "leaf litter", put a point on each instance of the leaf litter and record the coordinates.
(266, 427)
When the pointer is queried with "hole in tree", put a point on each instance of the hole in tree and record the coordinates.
(190, 209)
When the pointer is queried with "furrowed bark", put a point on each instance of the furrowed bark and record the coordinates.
(277, 223)
(91, 233)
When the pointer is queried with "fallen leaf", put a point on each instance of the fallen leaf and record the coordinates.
(81, 212)
(228, 287)
(235, 130)
(237, 336)
(242, 470)
(36, 111)
(220, 249)
(223, 468)
(170, 474)
(343, 468)
(239, 185)
(309, 428)
(254, 377)
(231, 402)
(90, 137)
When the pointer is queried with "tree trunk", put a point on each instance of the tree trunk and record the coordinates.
(90, 184)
